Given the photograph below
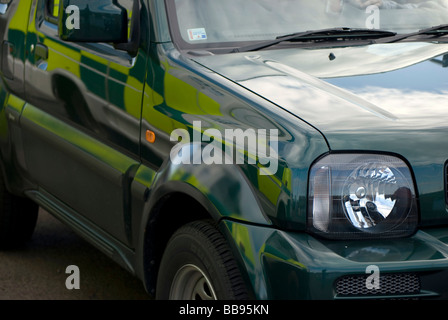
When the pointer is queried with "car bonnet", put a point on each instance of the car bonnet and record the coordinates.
(379, 97)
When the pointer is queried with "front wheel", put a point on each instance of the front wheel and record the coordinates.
(198, 265)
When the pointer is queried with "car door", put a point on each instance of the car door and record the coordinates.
(82, 124)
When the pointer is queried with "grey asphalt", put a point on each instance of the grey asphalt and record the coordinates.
(38, 270)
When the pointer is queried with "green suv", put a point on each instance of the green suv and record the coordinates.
(237, 149)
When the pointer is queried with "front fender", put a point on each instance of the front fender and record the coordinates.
(223, 189)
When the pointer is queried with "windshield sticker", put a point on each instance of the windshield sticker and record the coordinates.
(197, 34)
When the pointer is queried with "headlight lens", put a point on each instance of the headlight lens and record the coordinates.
(361, 195)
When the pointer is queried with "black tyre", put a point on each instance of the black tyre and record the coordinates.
(18, 218)
(198, 265)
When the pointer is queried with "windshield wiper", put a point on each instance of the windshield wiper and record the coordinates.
(321, 35)
(436, 31)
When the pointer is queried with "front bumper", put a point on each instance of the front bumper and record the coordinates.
(292, 265)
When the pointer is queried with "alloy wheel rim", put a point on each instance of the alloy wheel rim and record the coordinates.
(191, 283)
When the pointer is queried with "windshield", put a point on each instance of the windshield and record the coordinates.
(215, 23)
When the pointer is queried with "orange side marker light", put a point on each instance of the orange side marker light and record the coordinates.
(150, 136)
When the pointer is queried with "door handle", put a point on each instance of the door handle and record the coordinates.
(41, 51)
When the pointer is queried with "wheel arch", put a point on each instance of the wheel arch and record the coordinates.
(210, 192)
(165, 220)
(166, 216)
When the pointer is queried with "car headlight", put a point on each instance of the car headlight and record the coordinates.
(361, 196)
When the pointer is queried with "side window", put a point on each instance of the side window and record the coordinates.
(4, 5)
(127, 4)
(52, 10)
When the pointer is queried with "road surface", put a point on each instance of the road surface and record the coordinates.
(38, 270)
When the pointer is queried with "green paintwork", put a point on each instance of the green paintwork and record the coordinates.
(73, 127)
(299, 266)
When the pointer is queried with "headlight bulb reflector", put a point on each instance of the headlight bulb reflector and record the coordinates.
(361, 195)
